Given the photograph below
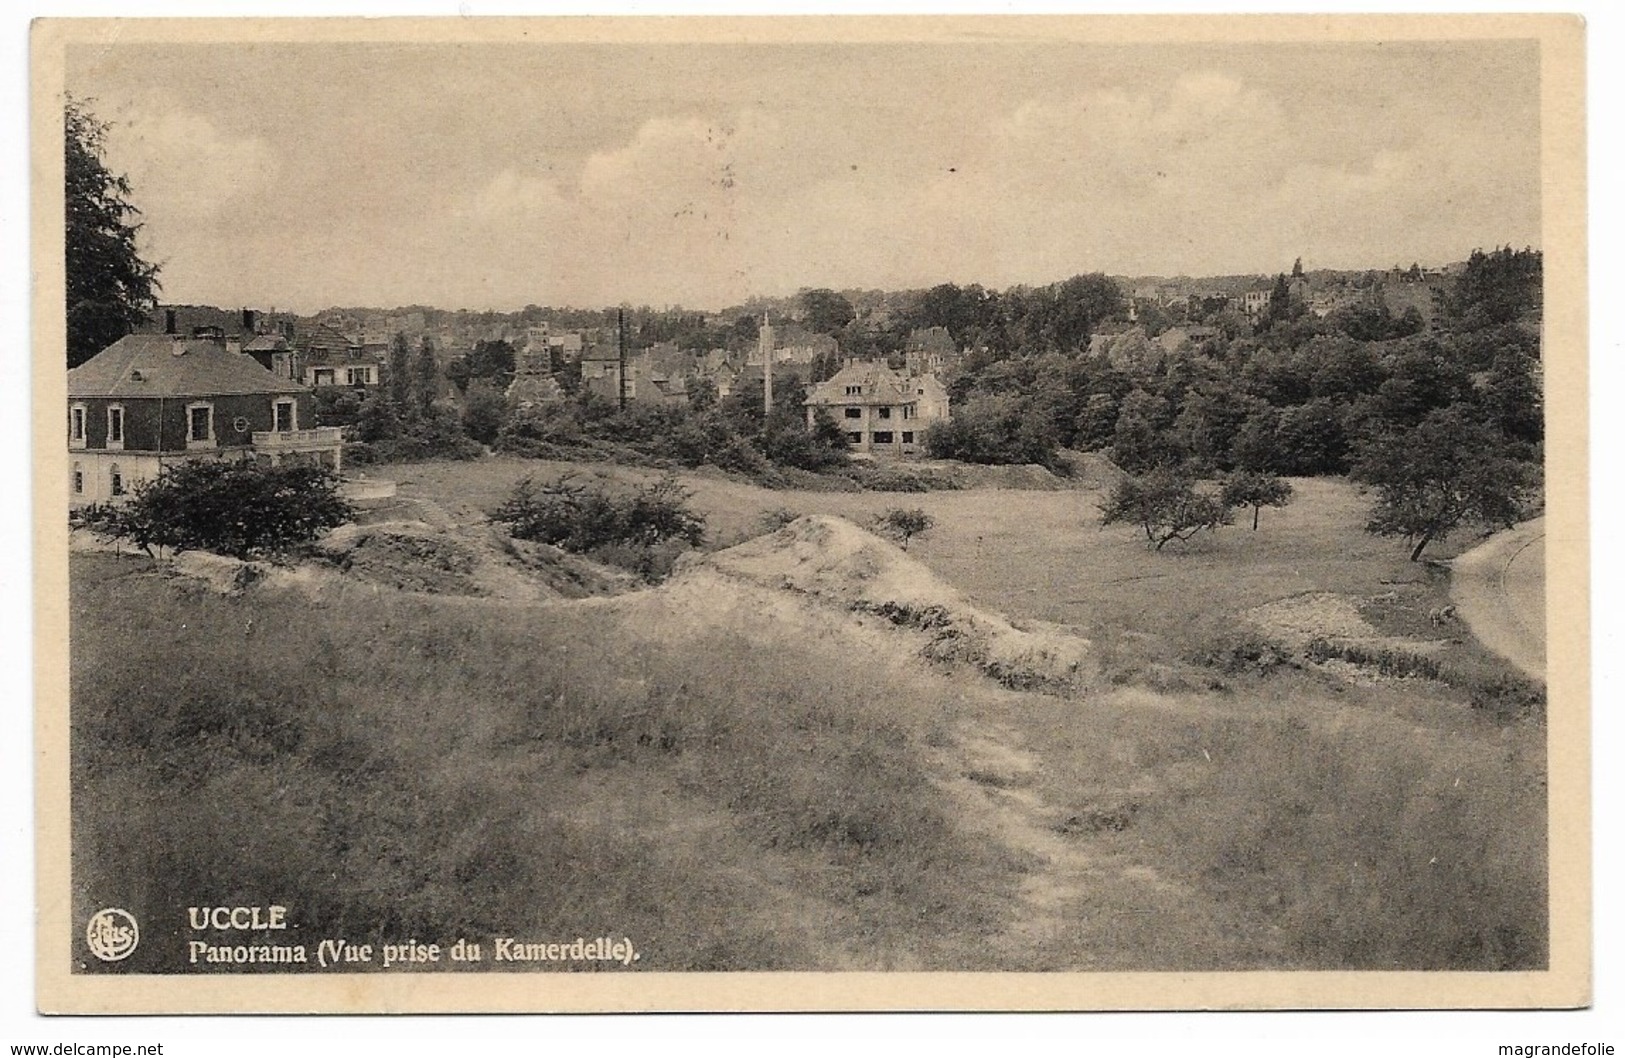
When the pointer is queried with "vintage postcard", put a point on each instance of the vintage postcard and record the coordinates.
(991, 513)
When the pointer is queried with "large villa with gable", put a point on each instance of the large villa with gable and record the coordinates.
(882, 411)
(151, 399)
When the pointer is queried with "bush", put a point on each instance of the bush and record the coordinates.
(484, 412)
(1237, 649)
(642, 530)
(994, 429)
(233, 508)
(903, 525)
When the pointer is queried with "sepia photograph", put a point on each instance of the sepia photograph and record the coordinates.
(854, 513)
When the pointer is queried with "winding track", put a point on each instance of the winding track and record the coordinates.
(1499, 589)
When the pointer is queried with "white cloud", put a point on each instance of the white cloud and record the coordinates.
(735, 175)
(182, 161)
(513, 197)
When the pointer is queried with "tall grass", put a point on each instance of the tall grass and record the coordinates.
(393, 768)
(1367, 846)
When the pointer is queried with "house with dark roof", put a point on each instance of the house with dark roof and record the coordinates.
(148, 400)
(882, 410)
(272, 352)
(327, 357)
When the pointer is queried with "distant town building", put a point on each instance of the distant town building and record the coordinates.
(881, 410)
(327, 357)
(930, 351)
(531, 391)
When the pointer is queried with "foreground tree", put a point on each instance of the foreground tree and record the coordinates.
(238, 509)
(1250, 488)
(1166, 505)
(110, 289)
(1448, 470)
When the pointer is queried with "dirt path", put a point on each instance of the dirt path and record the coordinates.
(1499, 589)
(1074, 896)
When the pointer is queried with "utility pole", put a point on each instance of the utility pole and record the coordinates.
(620, 315)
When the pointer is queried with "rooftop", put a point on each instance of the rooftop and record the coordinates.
(161, 365)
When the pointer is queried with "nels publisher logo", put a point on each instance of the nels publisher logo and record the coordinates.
(112, 934)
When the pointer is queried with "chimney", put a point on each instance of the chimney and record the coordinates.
(765, 340)
(169, 321)
(248, 321)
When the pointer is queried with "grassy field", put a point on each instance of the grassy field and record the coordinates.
(1035, 554)
(750, 783)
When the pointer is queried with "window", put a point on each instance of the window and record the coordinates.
(324, 376)
(115, 426)
(853, 391)
(285, 416)
(883, 437)
(885, 413)
(116, 478)
(200, 425)
(908, 437)
(76, 426)
(855, 436)
(910, 411)
(854, 413)
(78, 480)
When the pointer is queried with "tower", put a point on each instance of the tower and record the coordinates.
(764, 343)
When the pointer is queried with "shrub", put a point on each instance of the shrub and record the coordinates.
(641, 530)
(234, 508)
(903, 525)
(994, 429)
(1236, 649)
(484, 411)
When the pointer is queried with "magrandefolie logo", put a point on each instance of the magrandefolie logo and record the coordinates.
(112, 934)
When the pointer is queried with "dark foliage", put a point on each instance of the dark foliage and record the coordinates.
(994, 430)
(1496, 287)
(602, 520)
(493, 362)
(110, 289)
(1448, 470)
(233, 508)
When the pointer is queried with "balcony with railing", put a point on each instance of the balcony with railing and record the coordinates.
(319, 437)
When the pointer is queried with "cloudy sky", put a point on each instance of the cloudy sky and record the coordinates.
(496, 175)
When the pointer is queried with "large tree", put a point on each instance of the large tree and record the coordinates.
(825, 311)
(110, 289)
(1166, 505)
(1448, 470)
